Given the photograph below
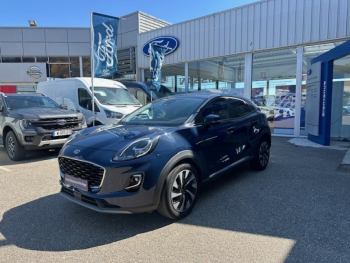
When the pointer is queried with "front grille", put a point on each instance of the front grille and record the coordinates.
(51, 123)
(83, 170)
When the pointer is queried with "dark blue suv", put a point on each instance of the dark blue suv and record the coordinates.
(158, 156)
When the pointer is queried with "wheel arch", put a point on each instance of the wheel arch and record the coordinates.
(186, 156)
(5, 131)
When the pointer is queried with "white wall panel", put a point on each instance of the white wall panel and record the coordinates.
(11, 49)
(261, 42)
(315, 27)
(277, 23)
(79, 35)
(244, 34)
(33, 35)
(251, 30)
(342, 18)
(34, 49)
(333, 22)
(8, 34)
(270, 24)
(285, 13)
(57, 49)
(56, 35)
(227, 32)
(79, 49)
(261, 25)
(291, 21)
(238, 47)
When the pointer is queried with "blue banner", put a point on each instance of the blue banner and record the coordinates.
(105, 32)
(157, 57)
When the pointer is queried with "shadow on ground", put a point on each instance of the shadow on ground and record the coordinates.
(300, 196)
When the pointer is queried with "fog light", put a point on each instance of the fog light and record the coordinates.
(29, 138)
(135, 182)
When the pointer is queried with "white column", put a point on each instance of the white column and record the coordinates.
(186, 78)
(299, 79)
(248, 67)
(81, 67)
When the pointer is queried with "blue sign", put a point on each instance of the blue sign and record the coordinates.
(157, 58)
(105, 29)
(169, 43)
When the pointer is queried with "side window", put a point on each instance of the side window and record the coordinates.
(1, 104)
(240, 108)
(217, 107)
(85, 100)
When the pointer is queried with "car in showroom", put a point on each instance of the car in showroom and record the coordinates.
(35, 122)
(157, 157)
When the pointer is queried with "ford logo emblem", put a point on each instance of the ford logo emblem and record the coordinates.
(76, 151)
(309, 72)
(34, 72)
(61, 122)
(170, 43)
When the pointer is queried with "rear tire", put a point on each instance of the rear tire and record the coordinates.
(179, 193)
(262, 156)
(14, 149)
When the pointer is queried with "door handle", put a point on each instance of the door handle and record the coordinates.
(255, 122)
(231, 130)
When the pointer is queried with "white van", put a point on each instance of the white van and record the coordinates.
(112, 99)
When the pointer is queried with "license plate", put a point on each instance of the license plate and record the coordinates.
(62, 133)
(76, 182)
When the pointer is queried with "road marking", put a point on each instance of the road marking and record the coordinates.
(5, 169)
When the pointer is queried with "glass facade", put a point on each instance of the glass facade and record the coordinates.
(274, 88)
(218, 75)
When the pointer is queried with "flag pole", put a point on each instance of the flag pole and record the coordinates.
(92, 67)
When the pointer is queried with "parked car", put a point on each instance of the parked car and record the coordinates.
(346, 109)
(159, 155)
(112, 99)
(34, 122)
(143, 93)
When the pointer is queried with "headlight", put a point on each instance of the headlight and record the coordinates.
(26, 124)
(83, 122)
(112, 114)
(70, 138)
(136, 149)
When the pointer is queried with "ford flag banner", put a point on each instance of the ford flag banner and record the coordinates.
(105, 32)
(157, 57)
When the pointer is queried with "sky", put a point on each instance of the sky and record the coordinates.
(76, 13)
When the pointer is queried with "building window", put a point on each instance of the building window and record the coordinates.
(59, 70)
(58, 60)
(74, 67)
(11, 59)
(86, 67)
(42, 59)
(173, 77)
(225, 74)
(28, 59)
(274, 88)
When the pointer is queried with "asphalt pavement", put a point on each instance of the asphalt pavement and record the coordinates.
(297, 210)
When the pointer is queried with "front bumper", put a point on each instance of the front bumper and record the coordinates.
(107, 203)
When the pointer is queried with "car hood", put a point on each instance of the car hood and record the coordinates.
(114, 137)
(41, 113)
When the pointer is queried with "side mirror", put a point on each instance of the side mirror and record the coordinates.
(63, 106)
(211, 119)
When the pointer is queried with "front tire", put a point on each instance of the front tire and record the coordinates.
(14, 149)
(262, 156)
(179, 193)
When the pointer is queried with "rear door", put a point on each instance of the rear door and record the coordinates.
(248, 125)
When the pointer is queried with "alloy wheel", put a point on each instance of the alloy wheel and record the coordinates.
(264, 153)
(11, 147)
(184, 190)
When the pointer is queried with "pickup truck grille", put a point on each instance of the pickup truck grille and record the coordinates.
(52, 123)
(83, 170)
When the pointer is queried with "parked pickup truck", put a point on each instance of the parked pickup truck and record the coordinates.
(34, 122)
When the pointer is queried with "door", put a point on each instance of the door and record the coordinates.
(217, 141)
(85, 103)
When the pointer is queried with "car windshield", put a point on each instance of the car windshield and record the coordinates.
(114, 96)
(25, 102)
(171, 111)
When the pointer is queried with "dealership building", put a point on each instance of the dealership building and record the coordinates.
(263, 51)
